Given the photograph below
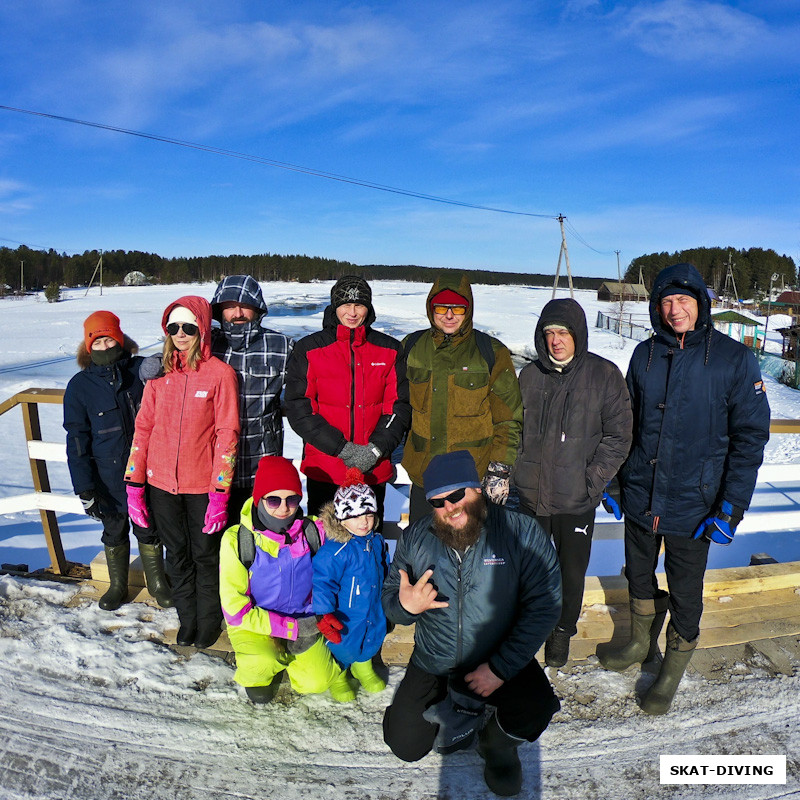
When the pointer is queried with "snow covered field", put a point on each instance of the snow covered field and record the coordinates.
(94, 707)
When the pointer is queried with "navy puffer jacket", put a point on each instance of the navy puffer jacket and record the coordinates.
(700, 419)
(100, 405)
(504, 595)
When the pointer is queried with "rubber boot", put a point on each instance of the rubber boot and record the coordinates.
(503, 771)
(365, 674)
(153, 565)
(647, 618)
(259, 695)
(556, 648)
(661, 604)
(118, 559)
(676, 658)
(341, 690)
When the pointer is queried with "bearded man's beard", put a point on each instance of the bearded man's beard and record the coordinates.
(462, 538)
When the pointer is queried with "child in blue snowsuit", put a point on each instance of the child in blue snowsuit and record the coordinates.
(349, 570)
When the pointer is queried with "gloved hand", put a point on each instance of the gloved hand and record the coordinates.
(150, 367)
(307, 634)
(91, 505)
(497, 482)
(361, 456)
(611, 505)
(216, 513)
(137, 507)
(721, 527)
(329, 626)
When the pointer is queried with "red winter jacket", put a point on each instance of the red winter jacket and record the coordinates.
(346, 385)
(187, 429)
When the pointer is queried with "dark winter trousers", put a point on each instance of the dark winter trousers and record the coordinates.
(239, 496)
(192, 557)
(525, 705)
(685, 565)
(572, 537)
(418, 506)
(116, 529)
(320, 493)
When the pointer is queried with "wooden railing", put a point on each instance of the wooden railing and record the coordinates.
(48, 502)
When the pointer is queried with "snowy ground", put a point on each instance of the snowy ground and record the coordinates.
(93, 706)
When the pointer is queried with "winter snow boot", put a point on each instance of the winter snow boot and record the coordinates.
(259, 695)
(556, 648)
(118, 559)
(207, 636)
(154, 577)
(341, 690)
(186, 635)
(365, 674)
(647, 619)
(503, 771)
(676, 658)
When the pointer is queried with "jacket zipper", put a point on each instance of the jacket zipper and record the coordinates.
(460, 585)
(352, 388)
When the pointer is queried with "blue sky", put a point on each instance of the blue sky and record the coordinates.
(652, 126)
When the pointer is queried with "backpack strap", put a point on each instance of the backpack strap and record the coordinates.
(247, 546)
(411, 340)
(311, 532)
(484, 342)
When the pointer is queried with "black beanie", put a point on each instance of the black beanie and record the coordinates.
(351, 289)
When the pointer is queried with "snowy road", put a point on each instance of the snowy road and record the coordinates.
(93, 708)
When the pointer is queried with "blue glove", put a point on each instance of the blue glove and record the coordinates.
(720, 528)
(611, 505)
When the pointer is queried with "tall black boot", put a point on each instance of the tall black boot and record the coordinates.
(153, 565)
(676, 658)
(118, 560)
(556, 648)
(647, 619)
(503, 771)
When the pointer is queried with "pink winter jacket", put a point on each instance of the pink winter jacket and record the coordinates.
(188, 426)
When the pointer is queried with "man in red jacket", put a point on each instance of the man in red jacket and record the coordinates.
(347, 396)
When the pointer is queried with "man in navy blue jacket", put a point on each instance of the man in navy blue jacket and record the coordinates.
(701, 420)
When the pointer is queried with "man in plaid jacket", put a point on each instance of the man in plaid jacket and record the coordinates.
(259, 356)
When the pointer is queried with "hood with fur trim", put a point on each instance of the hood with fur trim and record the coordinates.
(334, 530)
(84, 358)
(201, 309)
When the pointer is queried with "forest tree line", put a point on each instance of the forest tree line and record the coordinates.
(752, 269)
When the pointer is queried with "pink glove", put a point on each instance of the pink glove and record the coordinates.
(216, 513)
(137, 508)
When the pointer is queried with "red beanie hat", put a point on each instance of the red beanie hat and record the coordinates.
(99, 324)
(447, 297)
(273, 474)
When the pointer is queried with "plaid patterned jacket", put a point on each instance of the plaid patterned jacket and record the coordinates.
(259, 356)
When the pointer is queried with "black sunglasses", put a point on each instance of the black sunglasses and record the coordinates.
(189, 328)
(274, 502)
(453, 497)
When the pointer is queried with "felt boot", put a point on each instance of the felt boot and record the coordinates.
(153, 565)
(647, 619)
(365, 674)
(556, 648)
(341, 690)
(503, 771)
(676, 658)
(118, 559)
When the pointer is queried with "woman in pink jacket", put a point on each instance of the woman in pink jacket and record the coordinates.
(184, 448)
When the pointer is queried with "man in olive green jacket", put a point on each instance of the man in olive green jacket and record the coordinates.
(464, 394)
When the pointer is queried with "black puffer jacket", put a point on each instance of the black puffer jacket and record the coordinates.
(504, 596)
(701, 419)
(577, 422)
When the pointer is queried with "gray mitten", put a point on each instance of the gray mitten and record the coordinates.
(150, 368)
(361, 456)
(307, 634)
(459, 717)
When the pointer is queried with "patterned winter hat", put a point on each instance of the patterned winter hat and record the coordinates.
(351, 289)
(354, 498)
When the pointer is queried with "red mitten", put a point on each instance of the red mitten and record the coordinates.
(329, 626)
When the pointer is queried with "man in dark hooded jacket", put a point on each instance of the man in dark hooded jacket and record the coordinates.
(701, 420)
(259, 356)
(576, 433)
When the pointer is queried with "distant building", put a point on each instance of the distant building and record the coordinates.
(135, 279)
(613, 291)
(738, 326)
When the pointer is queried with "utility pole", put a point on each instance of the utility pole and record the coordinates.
(621, 298)
(21, 278)
(563, 252)
(769, 308)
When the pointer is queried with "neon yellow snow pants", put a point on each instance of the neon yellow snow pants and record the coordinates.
(259, 659)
